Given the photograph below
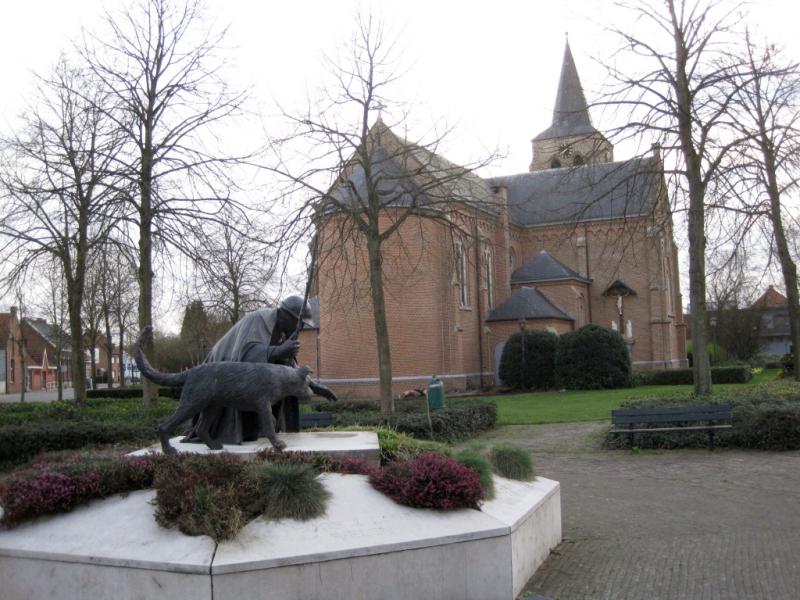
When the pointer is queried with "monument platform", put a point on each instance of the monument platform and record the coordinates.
(365, 547)
(356, 444)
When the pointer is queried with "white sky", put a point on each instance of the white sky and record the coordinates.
(490, 69)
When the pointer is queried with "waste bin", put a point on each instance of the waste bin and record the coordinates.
(435, 393)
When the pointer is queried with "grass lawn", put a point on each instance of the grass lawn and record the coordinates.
(592, 405)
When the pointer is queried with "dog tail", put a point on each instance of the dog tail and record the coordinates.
(170, 379)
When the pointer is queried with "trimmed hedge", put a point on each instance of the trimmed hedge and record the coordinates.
(593, 357)
(528, 360)
(456, 421)
(765, 417)
(133, 392)
(686, 377)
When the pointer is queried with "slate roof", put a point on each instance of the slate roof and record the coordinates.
(772, 298)
(528, 303)
(406, 175)
(544, 267)
(48, 332)
(587, 192)
(570, 114)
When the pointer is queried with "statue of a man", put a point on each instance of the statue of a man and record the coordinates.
(264, 335)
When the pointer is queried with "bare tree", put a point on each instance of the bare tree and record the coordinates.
(158, 61)
(682, 99)
(767, 105)
(54, 306)
(234, 267)
(59, 197)
(364, 182)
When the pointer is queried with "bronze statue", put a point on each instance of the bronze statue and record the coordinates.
(216, 385)
(268, 335)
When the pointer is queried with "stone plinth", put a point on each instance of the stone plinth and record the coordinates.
(356, 444)
(365, 547)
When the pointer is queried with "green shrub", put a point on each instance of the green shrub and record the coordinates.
(686, 376)
(202, 494)
(287, 491)
(528, 360)
(458, 420)
(398, 447)
(475, 460)
(512, 462)
(592, 357)
(351, 406)
(132, 392)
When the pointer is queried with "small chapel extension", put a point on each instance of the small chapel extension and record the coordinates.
(579, 238)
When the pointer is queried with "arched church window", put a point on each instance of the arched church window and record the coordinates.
(555, 164)
(461, 275)
(578, 160)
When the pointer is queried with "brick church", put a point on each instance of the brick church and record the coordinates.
(579, 238)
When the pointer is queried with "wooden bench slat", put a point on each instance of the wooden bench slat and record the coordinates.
(669, 418)
(689, 428)
(672, 409)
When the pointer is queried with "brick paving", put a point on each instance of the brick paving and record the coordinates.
(676, 525)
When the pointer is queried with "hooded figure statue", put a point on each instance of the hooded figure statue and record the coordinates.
(265, 335)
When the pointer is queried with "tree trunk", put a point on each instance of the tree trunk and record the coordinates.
(121, 346)
(701, 365)
(788, 266)
(109, 351)
(149, 389)
(77, 364)
(381, 326)
(59, 372)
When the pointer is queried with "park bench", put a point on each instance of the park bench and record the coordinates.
(707, 417)
(316, 419)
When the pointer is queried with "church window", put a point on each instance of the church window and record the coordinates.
(461, 275)
(578, 160)
(555, 163)
(512, 259)
(489, 275)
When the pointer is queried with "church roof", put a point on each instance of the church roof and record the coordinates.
(583, 193)
(570, 114)
(408, 175)
(527, 303)
(544, 267)
(772, 298)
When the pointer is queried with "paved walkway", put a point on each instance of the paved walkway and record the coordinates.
(677, 525)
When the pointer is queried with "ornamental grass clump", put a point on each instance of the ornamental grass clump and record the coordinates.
(288, 491)
(512, 462)
(475, 460)
(429, 481)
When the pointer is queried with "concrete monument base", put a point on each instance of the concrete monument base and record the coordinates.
(356, 444)
(365, 547)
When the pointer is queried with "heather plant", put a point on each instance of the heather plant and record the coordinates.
(479, 463)
(287, 491)
(61, 483)
(429, 481)
(512, 462)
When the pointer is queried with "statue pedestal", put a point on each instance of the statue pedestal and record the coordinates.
(365, 546)
(356, 444)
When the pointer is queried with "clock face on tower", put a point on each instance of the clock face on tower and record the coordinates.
(565, 150)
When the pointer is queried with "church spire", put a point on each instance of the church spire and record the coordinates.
(570, 113)
(571, 140)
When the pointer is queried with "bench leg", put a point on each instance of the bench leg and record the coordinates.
(630, 440)
(711, 440)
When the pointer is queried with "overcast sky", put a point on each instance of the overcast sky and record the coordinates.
(489, 69)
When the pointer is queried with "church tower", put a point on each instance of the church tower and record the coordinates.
(571, 140)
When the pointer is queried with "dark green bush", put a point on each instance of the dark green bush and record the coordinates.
(686, 377)
(593, 357)
(132, 392)
(765, 417)
(458, 420)
(528, 360)
(353, 406)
